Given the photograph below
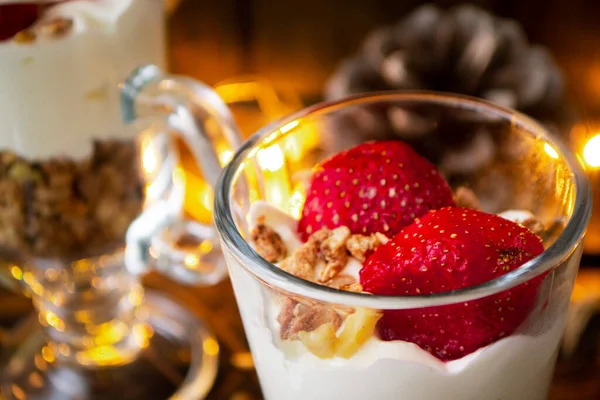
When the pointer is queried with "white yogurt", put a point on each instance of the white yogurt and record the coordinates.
(59, 94)
(518, 367)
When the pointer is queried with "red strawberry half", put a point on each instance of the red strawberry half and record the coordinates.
(374, 187)
(448, 249)
(15, 17)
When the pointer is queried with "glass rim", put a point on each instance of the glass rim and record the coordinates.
(273, 276)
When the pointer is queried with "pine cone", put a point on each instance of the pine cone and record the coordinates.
(463, 50)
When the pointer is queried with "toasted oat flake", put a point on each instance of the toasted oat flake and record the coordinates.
(302, 262)
(295, 317)
(333, 250)
(359, 245)
(320, 236)
(465, 197)
(268, 243)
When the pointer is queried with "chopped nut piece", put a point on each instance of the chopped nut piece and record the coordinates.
(332, 269)
(320, 236)
(534, 225)
(296, 317)
(333, 250)
(286, 312)
(302, 262)
(359, 245)
(465, 197)
(268, 243)
(358, 328)
(336, 240)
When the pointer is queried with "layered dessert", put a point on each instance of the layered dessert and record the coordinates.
(379, 219)
(70, 179)
(62, 62)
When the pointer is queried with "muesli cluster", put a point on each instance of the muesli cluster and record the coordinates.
(65, 208)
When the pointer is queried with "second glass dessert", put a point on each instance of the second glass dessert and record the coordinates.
(319, 330)
(89, 202)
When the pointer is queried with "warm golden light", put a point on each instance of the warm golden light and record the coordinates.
(48, 354)
(149, 160)
(83, 266)
(39, 362)
(272, 102)
(84, 316)
(550, 151)
(100, 356)
(136, 296)
(296, 203)
(17, 392)
(33, 284)
(241, 91)
(591, 152)
(107, 333)
(64, 349)
(171, 5)
(16, 272)
(42, 319)
(140, 335)
(191, 261)
(260, 103)
(275, 175)
(103, 347)
(28, 278)
(270, 158)
(289, 126)
(51, 318)
(179, 177)
(206, 247)
(242, 360)
(52, 274)
(211, 347)
(35, 380)
(225, 156)
(198, 199)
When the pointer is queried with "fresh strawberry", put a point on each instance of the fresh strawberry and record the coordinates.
(16, 17)
(374, 187)
(449, 249)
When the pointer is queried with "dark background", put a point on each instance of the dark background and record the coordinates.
(299, 42)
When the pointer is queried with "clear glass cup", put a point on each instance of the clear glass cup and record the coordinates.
(92, 195)
(523, 168)
(79, 230)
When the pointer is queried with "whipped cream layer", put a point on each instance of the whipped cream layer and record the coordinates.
(518, 367)
(59, 93)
